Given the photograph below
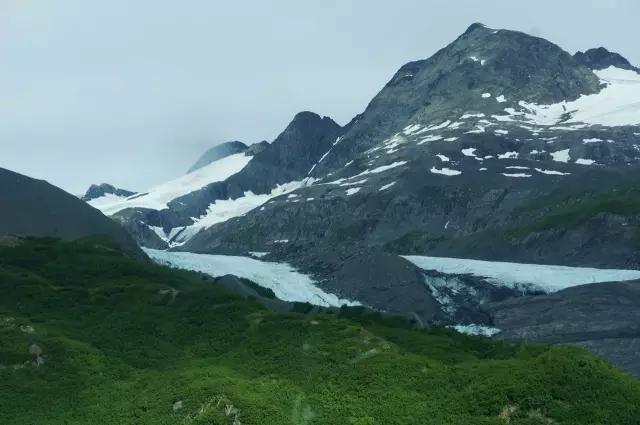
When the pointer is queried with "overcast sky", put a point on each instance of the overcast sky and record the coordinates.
(131, 92)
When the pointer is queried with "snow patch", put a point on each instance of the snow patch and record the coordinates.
(472, 115)
(469, 152)
(386, 186)
(584, 161)
(552, 172)
(429, 139)
(561, 156)
(445, 171)
(520, 175)
(508, 155)
(381, 169)
(475, 329)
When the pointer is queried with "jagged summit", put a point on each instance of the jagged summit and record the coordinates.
(218, 152)
(475, 26)
(601, 58)
(100, 190)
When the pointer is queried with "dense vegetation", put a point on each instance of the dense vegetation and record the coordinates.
(126, 342)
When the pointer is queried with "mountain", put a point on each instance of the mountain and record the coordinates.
(104, 190)
(501, 147)
(230, 185)
(218, 152)
(509, 65)
(36, 208)
(601, 58)
(127, 342)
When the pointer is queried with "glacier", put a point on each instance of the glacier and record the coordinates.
(546, 278)
(286, 282)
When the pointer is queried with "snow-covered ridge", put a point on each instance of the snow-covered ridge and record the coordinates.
(285, 282)
(159, 196)
(547, 278)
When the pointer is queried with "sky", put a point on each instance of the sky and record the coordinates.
(132, 92)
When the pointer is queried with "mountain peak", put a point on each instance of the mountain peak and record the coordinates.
(601, 58)
(475, 26)
(218, 152)
(482, 63)
(307, 121)
(99, 190)
(308, 117)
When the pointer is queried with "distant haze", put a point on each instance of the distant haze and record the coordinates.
(132, 92)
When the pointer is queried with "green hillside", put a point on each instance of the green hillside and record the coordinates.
(126, 342)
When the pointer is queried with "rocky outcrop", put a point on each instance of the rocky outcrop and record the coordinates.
(601, 58)
(603, 317)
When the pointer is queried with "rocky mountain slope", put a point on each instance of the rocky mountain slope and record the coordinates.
(30, 207)
(604, 317)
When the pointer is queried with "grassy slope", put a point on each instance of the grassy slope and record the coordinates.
(121, 350)
(573, 211)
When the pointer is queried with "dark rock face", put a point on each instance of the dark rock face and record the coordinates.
(377, 279)
(256, 148)
(603, 317)
(30, 207)
(218, 152)
(289, 157)
(601, 58)
(132, 220)
(99, 190)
